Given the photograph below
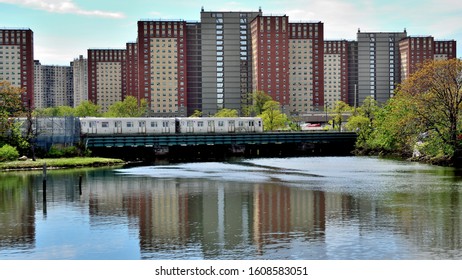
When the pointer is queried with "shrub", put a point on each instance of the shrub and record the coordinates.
(60, 152)
(8, 153)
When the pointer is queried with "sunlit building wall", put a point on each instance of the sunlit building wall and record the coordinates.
(162, 67)
(17, 61)
(335, 72)
(106, 76)
(80, 73)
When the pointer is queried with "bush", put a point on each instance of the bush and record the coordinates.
(62, 152)
(8, 153)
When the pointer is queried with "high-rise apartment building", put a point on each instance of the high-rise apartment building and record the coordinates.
(353, 73)
(270, 57)
(131, 65)
(17, 61)
(226, 60)
(306, 58)
(378, 64)
(445, 49)
(335, 72)
(80, 72)
(162, 66)
(415, 51)
(106, 76)
(53, 86)
(194, 67)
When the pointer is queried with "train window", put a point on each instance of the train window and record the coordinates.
(251, 123)
(210, 123)
(153, 124)
(118, 124)
(200, 124)
(241, 123)
(92, 124)
(190, 124)
(141, 124)
(129, 124)
(105, 124)
(221, 123)
(165, 124)
(231, 123)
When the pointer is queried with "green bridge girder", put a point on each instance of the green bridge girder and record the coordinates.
(219, 139)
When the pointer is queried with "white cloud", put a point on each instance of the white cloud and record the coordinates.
(63, 7)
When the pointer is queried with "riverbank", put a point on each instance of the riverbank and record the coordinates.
(59, 163)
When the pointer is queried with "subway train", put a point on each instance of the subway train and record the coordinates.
(137, 126)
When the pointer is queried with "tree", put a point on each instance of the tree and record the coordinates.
(196, 114)
(434, 95)
(363, 121)
(226, 113)
(272, 116)
(10, 107)
(87, 109)
(337, 112)
(128, 108)
(58, 111)
(258, 100)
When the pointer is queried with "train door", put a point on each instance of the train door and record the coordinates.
(166, 127)
(251, 126)
(231, 126)
(190, 126)
(211, 126)
(118, 127)
(142, 127)
(92, 127)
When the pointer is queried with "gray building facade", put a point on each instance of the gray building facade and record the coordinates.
(226, 59)
(378, 64)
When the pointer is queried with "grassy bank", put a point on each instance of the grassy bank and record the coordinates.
(59, 163)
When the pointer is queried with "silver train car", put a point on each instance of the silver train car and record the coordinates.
(134, 126)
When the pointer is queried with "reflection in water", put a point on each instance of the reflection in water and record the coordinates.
(17, 219)
(259, 209)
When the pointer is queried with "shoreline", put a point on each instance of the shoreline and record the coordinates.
(59, 163)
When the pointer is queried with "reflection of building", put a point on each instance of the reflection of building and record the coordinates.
(279, 211)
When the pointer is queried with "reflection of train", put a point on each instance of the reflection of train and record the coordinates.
(106, 126)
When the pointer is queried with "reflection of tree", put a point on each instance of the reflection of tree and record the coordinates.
(437, 225)
(17, 209)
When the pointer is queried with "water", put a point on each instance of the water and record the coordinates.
(309, 208)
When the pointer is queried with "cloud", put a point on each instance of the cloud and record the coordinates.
(62, 7)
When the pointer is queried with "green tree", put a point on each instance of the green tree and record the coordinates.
(434, 93)
(87, 109)
(10, 107)
(273, 118)
(58, 111)
(340, 108)
(128, 108)
(257, 100)
(226, 113)
(196, 114)
(363, 121)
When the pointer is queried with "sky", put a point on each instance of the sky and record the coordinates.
(65, 29)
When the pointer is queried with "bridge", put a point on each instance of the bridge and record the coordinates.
(267, 143)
